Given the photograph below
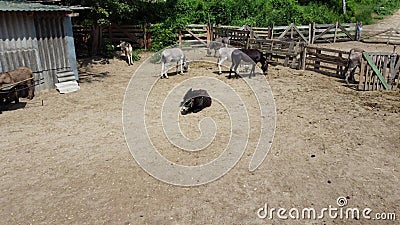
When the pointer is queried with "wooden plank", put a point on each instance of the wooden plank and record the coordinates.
(330, 58)
(320, 60)
(362, 79)
(384, 67)
(132, 37)
(202, 41)
(375, 69)
(336, 28)
(287, 57)
(346, 32)
(328, 49)
(324, 32)
(301, 35)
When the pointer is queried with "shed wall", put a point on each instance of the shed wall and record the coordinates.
(36, 40)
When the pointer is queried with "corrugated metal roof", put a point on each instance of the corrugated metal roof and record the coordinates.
(29, 7)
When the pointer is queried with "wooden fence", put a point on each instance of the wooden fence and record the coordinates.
(90, 39)
(388, 36)
(135, 34)
(325, 60)
(284, 53)
(292, 32)
(237, 38)
(195, 35)
(333, 32)
(239, 34)
(378, 71)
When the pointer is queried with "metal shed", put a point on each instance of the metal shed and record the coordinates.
(39, 37)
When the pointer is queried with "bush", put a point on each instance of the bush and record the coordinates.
(162, 36)
(135, 55)
(108, 49)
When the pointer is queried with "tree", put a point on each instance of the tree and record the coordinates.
(344, 6)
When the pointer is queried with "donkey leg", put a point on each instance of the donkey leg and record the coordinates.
(181, 62)
(16, 97)
(236, 70)
(163, 71)
(31, 89)
(252, 71)
(219, 62)
(230, 70)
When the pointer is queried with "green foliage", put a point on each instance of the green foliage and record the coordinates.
(135, 55)
(163, 35)
(108, 49)
(169, 16)
(156, 57)
(369, 10)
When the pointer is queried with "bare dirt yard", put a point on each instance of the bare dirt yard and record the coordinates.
(66, 161)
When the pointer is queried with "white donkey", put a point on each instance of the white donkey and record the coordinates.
(173, 55)
(127, 50)
(224, 54)
(217, 44)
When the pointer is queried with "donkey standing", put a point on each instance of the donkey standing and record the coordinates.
(127, 50)
(217, 44)
(173, 55)
(252, 56)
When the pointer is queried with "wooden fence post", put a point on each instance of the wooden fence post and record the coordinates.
(313, 33)
(110, 33)
(362, 78)
(209, 33)
(272, 32)
(303, 56)
(95, 38)
(144, 36)
(291, 30)
(180, 37)
(317, 62)
(336, 28)
(339, 68)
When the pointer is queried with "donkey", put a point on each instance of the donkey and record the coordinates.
(21, 76)
(252, 56)
(195, 101)
(355, 57)
(127, 50)
(217, 44)
(225, 53)
(173, 55)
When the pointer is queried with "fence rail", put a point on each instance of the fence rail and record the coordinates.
(333, 32)
(311, 33)
(325, 60)
(388, 36)
(284, 53)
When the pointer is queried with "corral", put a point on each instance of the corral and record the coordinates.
(64, 159)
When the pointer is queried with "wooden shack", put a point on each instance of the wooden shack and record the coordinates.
(39, 37)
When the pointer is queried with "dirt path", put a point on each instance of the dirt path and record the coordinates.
(388, 22)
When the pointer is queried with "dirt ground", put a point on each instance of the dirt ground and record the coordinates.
(64, 159)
